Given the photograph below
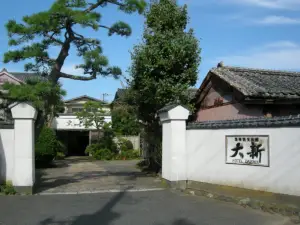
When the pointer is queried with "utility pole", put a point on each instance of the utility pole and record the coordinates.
(104, 95)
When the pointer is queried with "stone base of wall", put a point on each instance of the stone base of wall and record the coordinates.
(29, 190)
(178, 185)
(286, 205)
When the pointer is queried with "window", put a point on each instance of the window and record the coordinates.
(227, 97)
(75, 110)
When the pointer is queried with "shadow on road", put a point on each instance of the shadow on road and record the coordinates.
(104, 216)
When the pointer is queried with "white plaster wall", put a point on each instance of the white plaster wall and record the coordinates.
(135, 140)
(166, 153)
(174, 154)
(70, 122)
(6, 154)
(206, 160)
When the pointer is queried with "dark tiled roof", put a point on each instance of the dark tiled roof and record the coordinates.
(258, 83)
(24, 76)
(84, 96)
(120, 93)
(6, 125)
(285, 121)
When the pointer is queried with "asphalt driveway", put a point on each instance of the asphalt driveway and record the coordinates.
(83, 174)
(124, 208)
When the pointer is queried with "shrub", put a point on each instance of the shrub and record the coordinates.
(46, 147)
(128, 144)
(61, 148)
(7, 188)
(124, 145)
(60, 155)
(91, 149)
(127, 155)
(107, 141)
(103, 154)
(99, 152)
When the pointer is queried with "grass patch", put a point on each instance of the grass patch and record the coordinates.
(7, 188)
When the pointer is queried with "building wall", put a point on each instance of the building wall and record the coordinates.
(135, 140)
(5, 78)
(219, 101)
(259, 154)
(230, 111)
(70, 122)
(6, 153)
(206, 160)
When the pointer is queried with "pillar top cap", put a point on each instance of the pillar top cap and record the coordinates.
(170, 107)
(23, 110)
(174, 112)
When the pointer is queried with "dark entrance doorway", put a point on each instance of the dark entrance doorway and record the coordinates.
(75, 141)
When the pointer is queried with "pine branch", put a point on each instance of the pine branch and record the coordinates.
(100, 2)
(74, 77)
(116, 3)
(106, 27)
(53, 38)
(94, 6)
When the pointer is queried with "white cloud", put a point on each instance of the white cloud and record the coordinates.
(281, 44)
(277, 55)
(277, 20)
(271, 4)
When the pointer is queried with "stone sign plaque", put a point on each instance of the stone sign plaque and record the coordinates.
(248, 150)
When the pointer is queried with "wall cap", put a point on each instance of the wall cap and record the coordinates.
(23, 110)
(260, 122)
(174, 112)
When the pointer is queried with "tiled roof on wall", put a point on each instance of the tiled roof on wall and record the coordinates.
(284, 121)
(259, 83)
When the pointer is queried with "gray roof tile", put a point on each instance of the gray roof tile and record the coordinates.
(259, 83)
(284, 121)
(24, 76)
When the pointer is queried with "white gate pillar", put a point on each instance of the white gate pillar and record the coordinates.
(174, 167)
(24, 116)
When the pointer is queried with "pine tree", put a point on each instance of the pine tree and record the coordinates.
(58, 26)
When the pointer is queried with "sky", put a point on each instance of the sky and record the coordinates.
(248, 33)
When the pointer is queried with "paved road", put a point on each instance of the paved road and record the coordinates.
(82, 174)
(124, 208)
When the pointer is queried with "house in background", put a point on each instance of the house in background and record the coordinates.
(235, 93)
(68, 128)
(15, 77)
(11, 77)
(75, 136)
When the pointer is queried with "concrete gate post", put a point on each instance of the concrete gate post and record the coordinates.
(174, 167)
(24, 116)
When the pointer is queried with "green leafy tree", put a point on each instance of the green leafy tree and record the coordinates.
(124, 120)
(164, 65)
(92, 115)
(45, 97)
(60, 26)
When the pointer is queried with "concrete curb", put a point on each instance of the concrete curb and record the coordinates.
(285, 210)
(101, 191)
